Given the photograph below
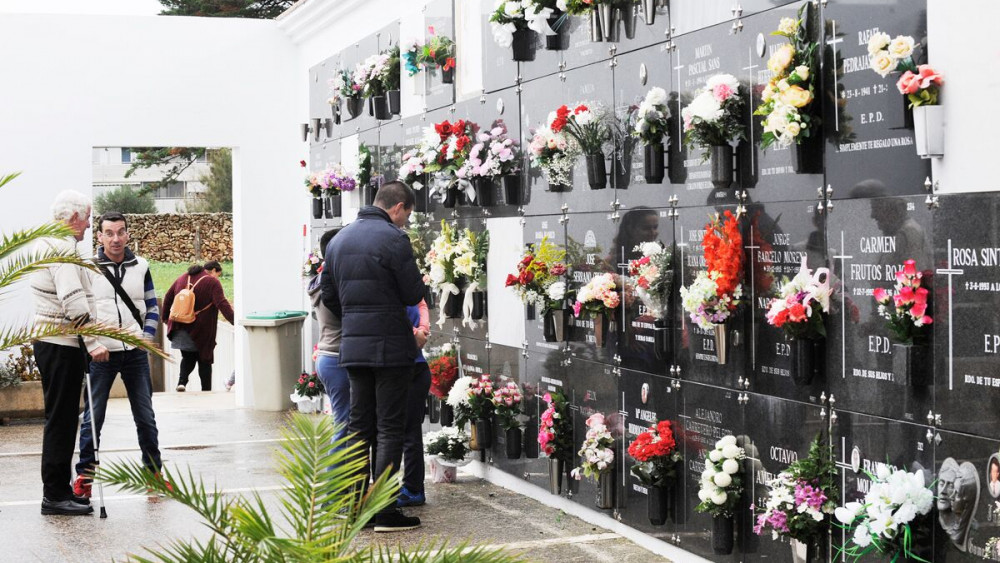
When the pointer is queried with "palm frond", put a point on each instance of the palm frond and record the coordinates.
(438, 551)
(16, 336)
(19, 267)
(181, 552)
(4, 180)
(18, 240)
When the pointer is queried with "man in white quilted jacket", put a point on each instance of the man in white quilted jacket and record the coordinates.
(62, 295)
(140, 316)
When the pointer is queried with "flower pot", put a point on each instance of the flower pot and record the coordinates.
(483, 427)
(602, 324)
(807, 357)
(355, 106)
(512, 189)
(317, 208)
(448, 76)
(531, 440)
(630, 17)
(371, 107)
(441, 473)
(513, 440)
(721, 331)
(722, 166)
(554, 328)
(807, 156)
(335, 113)
(911, 364)
(649, 11)
(928, 131)
(657, 505)
(447, 414)
(662, 339)
(523, 45)
(336, 206)
(450, 198)
(309, 405)
(381, 106)
(453, 305)
(652, 163)
(434, 412)
(394, 106)
(558, 22)
(595, 27)
(722, 535)
(478, 305)
(597, 172)
(811, 552)
(610, 18)
(529, 311)
(558, 187)
(606, 490)
(484, 191)
(556, 470)
(420, 202)
(369, 192)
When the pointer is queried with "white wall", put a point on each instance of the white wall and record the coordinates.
(175, 82)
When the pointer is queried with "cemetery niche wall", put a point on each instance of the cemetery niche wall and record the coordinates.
(851, 204)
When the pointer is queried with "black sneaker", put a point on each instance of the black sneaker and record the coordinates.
(65, 508)
(395, 521)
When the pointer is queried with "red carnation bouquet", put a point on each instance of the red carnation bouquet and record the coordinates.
(444, 371)
(656, 452)
(455, 140)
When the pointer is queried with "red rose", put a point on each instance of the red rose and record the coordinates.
(443, 129)
(797, 313)
(557, 269)
(462, 142)
(511, 280)
(449, 63)
(527, 260)
(302, 163)
(526, 277)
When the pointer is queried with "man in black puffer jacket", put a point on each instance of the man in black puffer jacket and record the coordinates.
(369, 280)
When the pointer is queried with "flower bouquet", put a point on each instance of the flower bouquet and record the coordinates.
(538, 284)
(799, 311)
(655, 452)
(494, 155)
(444, 370)
(800, 499)
(444, 276)
(480, 412)
(458, 399)
(372, 74)
(390, 80)
(448, 155)
(555, 437)
(652, 275)
(589, 127)
(363, 177)
(715, 293)
(905, 310)
(720, 490)
(308, 393)
(439, 52)
(651, 127)
(449, 448)
(313, 265)
(336, 180)
(315, 189)
(714, 120)
(470, 264)
(509, 23)
(554, 151)
(600, 298)
(507, 406)
(884, 522)
(598, 454)
(351, 90)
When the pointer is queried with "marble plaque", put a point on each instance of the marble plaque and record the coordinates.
(439, 15)
(499, 69)
(968, 489)
(592, 249)
(537, 228)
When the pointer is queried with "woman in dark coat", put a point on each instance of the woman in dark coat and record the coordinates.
(196, 340)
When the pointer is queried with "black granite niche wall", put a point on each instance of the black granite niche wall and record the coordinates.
(860, 212)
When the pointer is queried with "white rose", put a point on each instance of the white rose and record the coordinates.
(557, 291)
(730, 466)
(729, 440)
(788, 26)
(722, 479)
(793, 128)
(719, 498)
(878, 42)
(715, 455)
(901, 47)
(882, 63)
(731, 451)
(802, 71)
(512, 8)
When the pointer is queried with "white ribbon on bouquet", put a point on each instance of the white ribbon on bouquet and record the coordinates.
(466, 186)
(446, 288)
(467, 319)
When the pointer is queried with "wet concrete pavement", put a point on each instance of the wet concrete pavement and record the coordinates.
(234, 448)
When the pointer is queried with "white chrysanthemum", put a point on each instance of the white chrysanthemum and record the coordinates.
(730, 466)
(503, 33)
(732, 451)
(459, 394)
(656, 96)
(705, 107)
(722, 479)
(727, 79)
(719, 498)
(557, 291)
(788, 26)
(729, 440)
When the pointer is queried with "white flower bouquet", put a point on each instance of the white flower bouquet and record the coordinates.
(721, 483)
(598, 450)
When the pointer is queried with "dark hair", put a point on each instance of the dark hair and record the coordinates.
(195, 269)
(394, 193)
(324, 240)
(213, 265)
(111, 216)
(628, 233)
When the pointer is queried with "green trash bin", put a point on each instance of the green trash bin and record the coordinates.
(275, 341)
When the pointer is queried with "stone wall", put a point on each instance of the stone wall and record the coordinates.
(181, 237)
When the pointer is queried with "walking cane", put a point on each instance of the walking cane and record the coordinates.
(93, 427)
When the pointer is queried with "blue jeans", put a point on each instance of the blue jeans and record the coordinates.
(134, 367)
(338, 389)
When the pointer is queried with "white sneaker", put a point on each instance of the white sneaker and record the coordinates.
(180, 388)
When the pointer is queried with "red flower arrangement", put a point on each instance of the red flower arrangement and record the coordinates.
(656, 452)
(723, 246)
(444, 372)
(452, 150)
(538, 272)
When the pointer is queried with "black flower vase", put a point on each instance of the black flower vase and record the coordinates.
(722, 535)
(317, 208)
(453, 305)
(484, 191)
(512, 189)
(484, 433)
(394, 105)
(555, 325)
(448, 76)
(722, 166)
(381, 107)
(662, 339)
(652, 164)
(355, 106)
(531, 440)
(807, 356)
(420, 201)
(434, 413)
(807, 156)
(553, 187)
(657, 505)
(523, 45)
(559, 22)
(336, 205)
(512, 441)
(450, 198)
(478, 305)
(606, 490)
(911, 364)
(447, 414)
(370, 191)
(529, 311)
(597, 172)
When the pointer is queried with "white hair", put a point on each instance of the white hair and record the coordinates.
(68, 203)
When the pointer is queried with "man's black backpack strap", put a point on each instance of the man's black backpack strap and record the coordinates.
(124, 296)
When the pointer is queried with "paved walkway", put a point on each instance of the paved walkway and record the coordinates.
(234, 448)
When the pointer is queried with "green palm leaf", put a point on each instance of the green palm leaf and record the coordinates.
(19, 240)
(4, 180)
(16, 269)
(13, 336)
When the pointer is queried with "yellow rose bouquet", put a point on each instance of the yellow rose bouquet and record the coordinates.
(787, 99)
